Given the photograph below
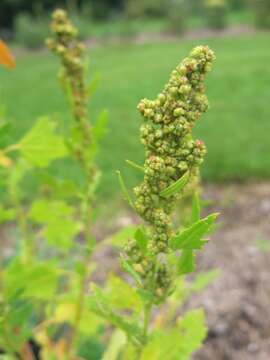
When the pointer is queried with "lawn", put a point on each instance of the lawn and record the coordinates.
(236, 129)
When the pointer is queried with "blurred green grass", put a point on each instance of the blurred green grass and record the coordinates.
(236, 129)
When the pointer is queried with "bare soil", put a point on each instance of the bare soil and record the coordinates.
(237, 304)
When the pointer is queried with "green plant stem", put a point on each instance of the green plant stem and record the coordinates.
(147, 316)
(146, 321)
(79, 309)
(27, 240)
(80, 302)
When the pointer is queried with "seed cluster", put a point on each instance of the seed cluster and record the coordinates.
(170, 153)
(70, 51)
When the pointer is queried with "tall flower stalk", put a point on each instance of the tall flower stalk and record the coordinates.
(172, 160)
(81, 142)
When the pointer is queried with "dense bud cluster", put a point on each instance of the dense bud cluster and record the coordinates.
(70, 51)
(170, 149)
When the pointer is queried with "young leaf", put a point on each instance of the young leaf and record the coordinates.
(129, 269)
(100, 127)
(91, 88)
(204, 279)
(41, 145)
(141, 238)
(124, 189)
(186, 262)
(136, 166)
(191, 238)
(175, 187)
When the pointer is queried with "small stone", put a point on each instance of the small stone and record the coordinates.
(220, 328)
(252, 348)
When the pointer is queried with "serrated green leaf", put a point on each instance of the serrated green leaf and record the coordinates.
(46, 210)
(179, 342)
(37, 281)
(40, 146)
(59, 188)
(176, 186)
(100, 305)
(141, 238)
(65, 310)
(16, 315)
(122, 295)
(186, 263)
(191, 238)
(61, 233)
(129, 269)
(60, 227)
(193, 330)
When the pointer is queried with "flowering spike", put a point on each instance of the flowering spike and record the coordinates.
(171, 153)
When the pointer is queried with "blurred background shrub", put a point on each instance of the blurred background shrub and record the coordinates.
(30, 32)
(177, 13)
(26, 21)
(262, 13)
(216, 13)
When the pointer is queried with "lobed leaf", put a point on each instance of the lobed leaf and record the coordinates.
(122, 295)
(100, 305)
(191, 238)
(58, 219)
(40, 146)
(36, 281)
(179, 342)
